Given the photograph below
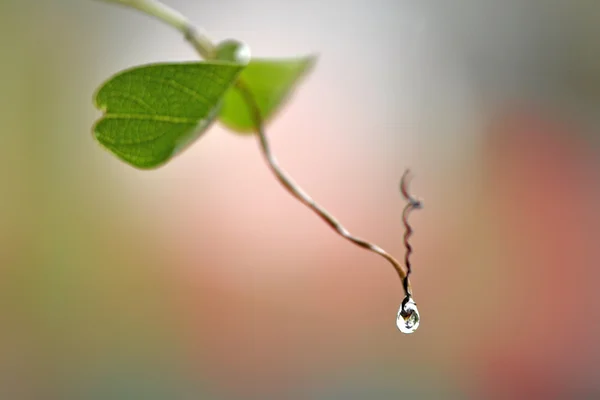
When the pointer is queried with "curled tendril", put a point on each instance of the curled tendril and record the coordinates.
(412, 204)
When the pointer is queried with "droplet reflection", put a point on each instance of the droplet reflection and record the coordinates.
(408, 317)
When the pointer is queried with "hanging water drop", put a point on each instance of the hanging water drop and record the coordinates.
(408, 316)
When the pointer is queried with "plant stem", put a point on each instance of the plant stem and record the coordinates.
(207, 50)
(174, 18)
(304, 198)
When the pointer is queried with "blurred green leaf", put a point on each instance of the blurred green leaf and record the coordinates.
(271, 82)
(153, 112)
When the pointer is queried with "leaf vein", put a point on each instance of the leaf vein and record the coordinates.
(176, 85)
(132, 97)
(152, 117)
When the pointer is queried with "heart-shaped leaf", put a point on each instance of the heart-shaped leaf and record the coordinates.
(152, 112)
(271, 82)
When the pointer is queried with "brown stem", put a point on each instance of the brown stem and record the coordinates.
(301, 195)
(206, 49)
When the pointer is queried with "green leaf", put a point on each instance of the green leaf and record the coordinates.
(271, 83)
(153, 112)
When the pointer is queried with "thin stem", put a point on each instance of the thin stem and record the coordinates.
(174, 18)
(207, 50)
(302, 196)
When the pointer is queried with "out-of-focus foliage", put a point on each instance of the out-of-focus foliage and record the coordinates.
(271, 82)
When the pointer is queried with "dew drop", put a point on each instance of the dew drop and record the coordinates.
(408, 317)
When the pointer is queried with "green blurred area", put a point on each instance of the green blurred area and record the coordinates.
(83, 301)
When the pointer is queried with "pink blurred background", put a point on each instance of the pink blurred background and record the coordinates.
(205, 279)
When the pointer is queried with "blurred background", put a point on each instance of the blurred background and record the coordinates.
(204, 279)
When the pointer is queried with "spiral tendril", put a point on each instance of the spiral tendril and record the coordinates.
(412, 204)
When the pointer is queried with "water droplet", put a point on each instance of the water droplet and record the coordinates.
(408, 317)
